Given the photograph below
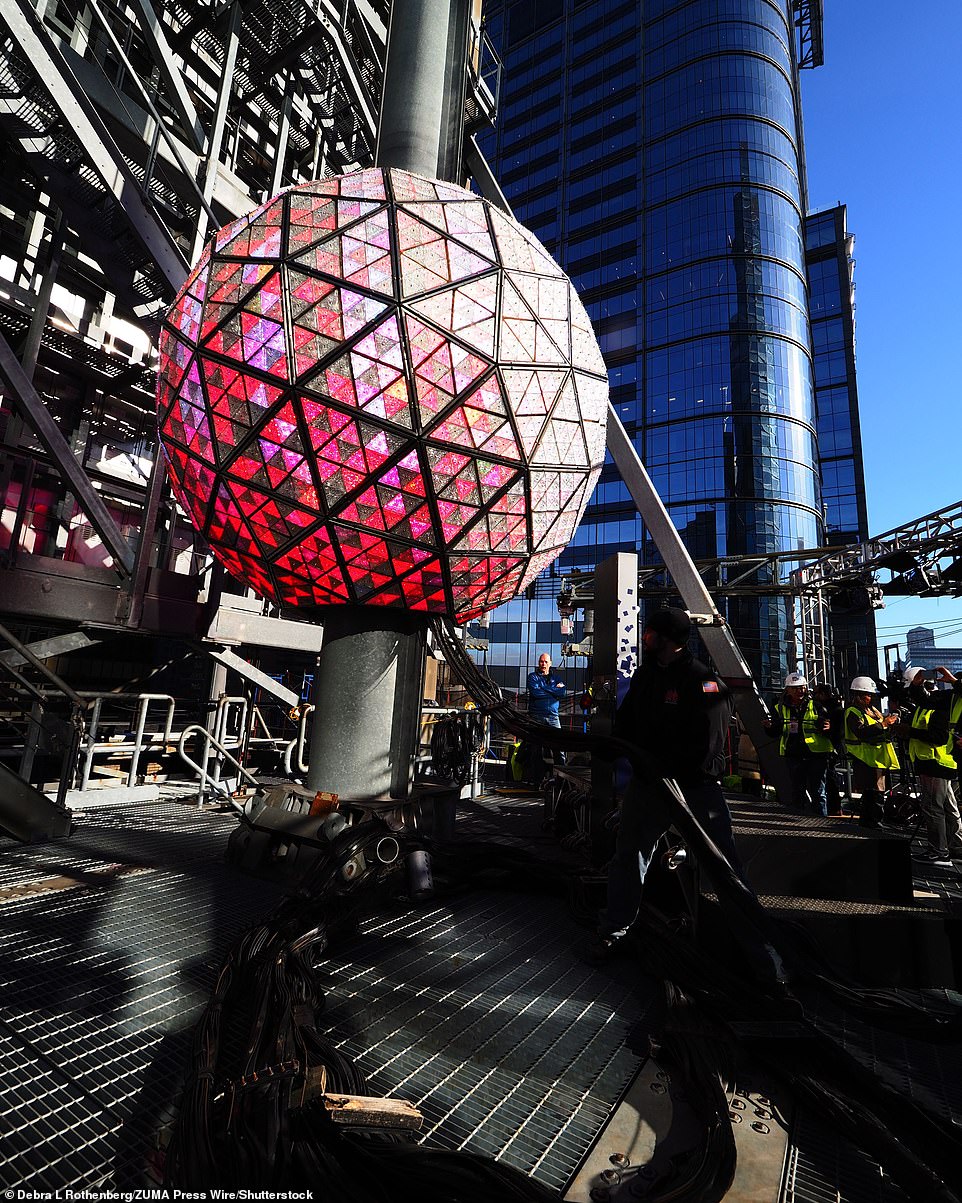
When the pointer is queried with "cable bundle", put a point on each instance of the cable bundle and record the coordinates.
(455, 740)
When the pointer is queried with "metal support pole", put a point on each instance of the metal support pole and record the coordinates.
(31, 350)
(216, 140)
(148, 526)
(283, 133)
(716, 636)
(422, 102)
(367, 697)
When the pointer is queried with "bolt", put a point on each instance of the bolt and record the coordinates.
(762, 1113)
(759, 1127)
(738, 1104)
(620, 1159)
(611, 1177)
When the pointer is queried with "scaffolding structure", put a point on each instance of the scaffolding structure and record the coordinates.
(923, 557)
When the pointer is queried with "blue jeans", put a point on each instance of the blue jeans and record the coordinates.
(644, 820)
(807, 775)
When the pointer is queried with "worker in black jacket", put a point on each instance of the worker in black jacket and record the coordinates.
(678, 712)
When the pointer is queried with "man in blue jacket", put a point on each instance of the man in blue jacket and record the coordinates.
(545, 691)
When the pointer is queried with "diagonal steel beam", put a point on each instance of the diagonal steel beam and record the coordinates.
(31, 405)
(714, 632)
(45, 649)
(170, 72)
(82, 119)
(255, 676)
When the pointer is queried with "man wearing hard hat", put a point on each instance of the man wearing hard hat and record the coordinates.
(932, 747)
(805, 744)
(868, 741)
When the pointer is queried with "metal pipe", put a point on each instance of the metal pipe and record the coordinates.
(418, 102)
(201, 770)
(23, 650)
(91, 745)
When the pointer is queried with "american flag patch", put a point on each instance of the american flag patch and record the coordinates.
(709, 686)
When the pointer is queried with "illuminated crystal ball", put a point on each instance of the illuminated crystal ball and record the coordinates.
(379, 389)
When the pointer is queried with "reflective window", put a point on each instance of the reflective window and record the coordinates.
(768, 375)
(693, 16)
(719, 221)
(719, 87)
(721, 37)
(825, 288)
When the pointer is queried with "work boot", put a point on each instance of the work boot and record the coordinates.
(602, 948)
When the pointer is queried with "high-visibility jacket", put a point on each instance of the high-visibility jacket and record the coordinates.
(879, 756)
(941, 754)
(815, 739)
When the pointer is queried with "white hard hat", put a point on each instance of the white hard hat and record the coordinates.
(864, 685)
(909, 675)
(794, 679)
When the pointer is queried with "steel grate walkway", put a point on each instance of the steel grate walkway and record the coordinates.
(477, 1010)
(482, 1015)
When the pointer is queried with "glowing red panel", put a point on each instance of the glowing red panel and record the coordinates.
(376, 389)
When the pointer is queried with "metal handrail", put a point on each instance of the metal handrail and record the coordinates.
(299, 742)
(201, 769)
(91, 746)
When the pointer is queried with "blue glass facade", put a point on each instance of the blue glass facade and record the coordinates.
(655, 150)
(830, 262)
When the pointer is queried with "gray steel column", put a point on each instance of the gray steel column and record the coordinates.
(422, 102)
(216, 140)
(367, 703)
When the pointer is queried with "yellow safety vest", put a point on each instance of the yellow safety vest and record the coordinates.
(815, 740)
(942, 755)
(879, 756)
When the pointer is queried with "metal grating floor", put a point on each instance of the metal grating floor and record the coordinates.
(821, 1168)
(482, 1015)
(478, 1010)
(100, 986)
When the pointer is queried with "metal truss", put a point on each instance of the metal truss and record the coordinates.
(809, 27)
(914, 555)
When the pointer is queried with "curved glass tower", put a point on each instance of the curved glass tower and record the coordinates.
(728, 407)
(656, 149)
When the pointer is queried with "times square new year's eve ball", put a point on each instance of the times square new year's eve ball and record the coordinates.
(380, 389)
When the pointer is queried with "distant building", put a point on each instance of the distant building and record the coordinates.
(922, 652)
(830, 267)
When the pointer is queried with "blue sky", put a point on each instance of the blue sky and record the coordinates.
(883, 134)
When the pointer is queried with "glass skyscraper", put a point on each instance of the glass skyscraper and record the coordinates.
(831, 289)
(656, 150)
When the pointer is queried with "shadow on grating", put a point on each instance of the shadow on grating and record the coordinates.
(822, 1167)
(479, 1012)
(101, 985)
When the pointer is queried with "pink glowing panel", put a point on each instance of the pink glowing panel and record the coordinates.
(377, 389)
